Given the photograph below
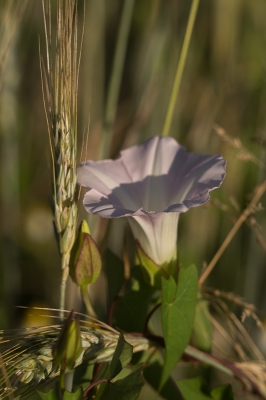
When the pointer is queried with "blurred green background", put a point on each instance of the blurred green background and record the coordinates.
(223, 84)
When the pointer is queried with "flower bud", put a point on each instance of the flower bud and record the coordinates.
(67, 348)
(85, 261)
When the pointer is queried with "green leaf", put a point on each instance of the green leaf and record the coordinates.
(78, 395)
(47, 396)
(127, 388)
(202, 330)
(131, 311)
(152, 375)
(122, 356)
(195, 389)
(178, 310)
(224, 392)
(83, 374)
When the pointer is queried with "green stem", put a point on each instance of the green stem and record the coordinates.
(62, 380)
(116, 76)
(86, 300)
(180, 67)
(62, 299)
(64, 276)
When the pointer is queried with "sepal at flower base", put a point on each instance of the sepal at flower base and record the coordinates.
(85, 262)
(153, 271)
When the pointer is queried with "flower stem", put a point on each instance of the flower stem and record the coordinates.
(87, 302)
(62, 299)
(116, 77)
(103, 380)
(62, 380)
(180, 67)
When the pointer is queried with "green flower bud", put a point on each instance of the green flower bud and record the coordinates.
(85, 261)
(67, 348)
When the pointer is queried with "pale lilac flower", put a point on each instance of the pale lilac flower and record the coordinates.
(151, 184)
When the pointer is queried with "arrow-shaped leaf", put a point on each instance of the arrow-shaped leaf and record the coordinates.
(127, 388)
(178, 310)
(122, 356)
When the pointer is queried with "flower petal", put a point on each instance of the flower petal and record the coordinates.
(150, 163)
(158, 175)
(157, 234)
(198, 176)
(106, 177)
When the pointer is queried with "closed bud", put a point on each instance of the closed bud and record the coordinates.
(67, 348)
(85, 261)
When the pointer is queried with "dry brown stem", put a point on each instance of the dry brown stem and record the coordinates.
(245, 214)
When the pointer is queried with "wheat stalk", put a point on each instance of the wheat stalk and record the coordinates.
(60, 90)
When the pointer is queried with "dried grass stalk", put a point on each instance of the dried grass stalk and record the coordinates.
(242, 153)
(242, 218)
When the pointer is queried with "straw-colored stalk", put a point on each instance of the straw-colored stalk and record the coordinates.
(243, 217)
(60, 87)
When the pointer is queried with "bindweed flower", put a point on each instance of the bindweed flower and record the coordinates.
(151, 184)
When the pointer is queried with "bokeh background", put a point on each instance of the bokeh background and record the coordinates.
(223, 85)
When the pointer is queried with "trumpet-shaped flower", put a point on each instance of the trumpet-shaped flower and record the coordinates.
(151, 184)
